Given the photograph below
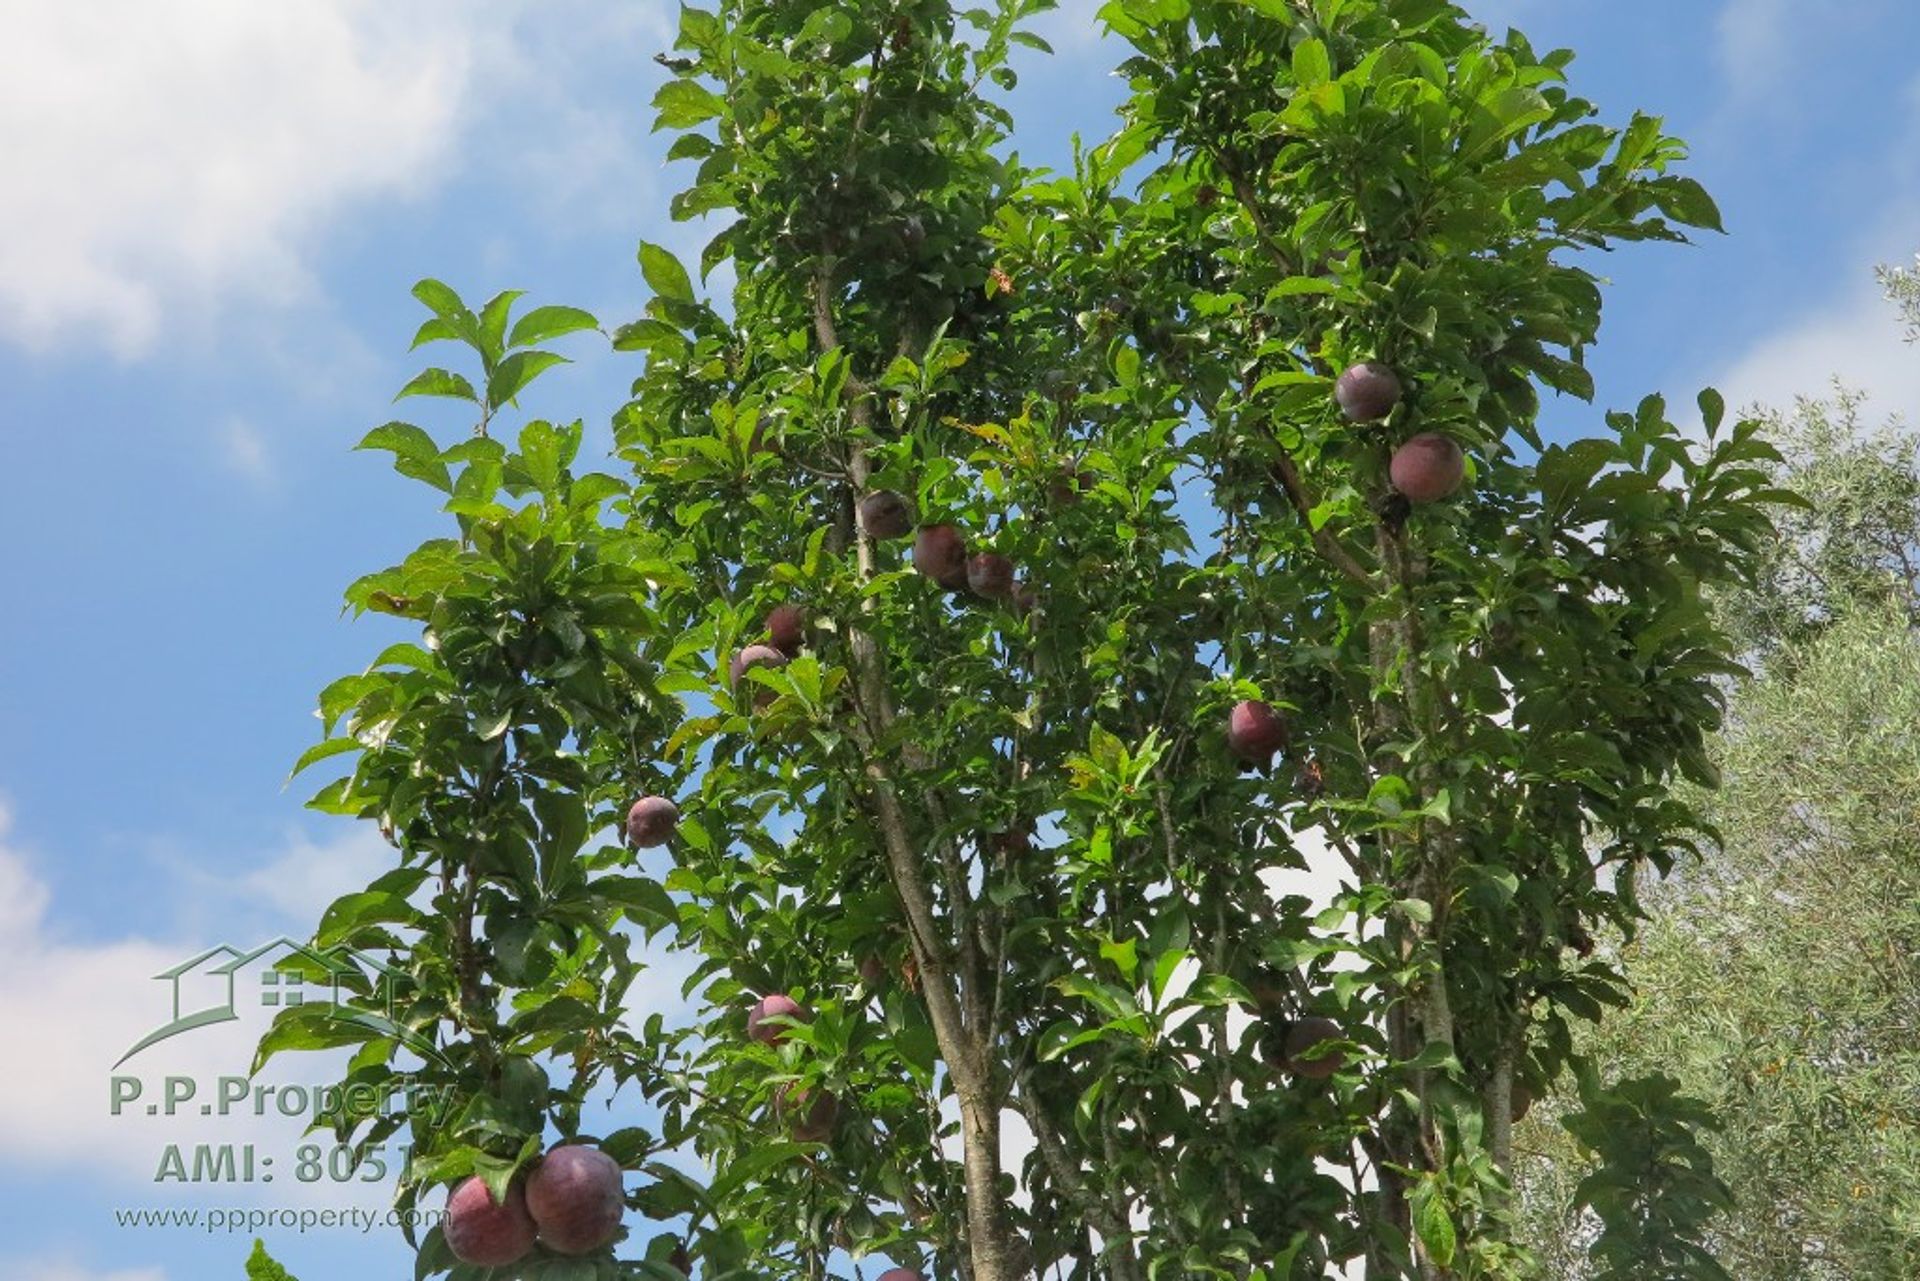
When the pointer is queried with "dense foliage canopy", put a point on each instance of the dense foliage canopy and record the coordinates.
(1007, 833)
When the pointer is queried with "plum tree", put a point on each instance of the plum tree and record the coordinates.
(486, 1232)
(1255, 731)
(763, 1023)
(990, 574)
(576, 1199)
(940, 553)
(1428, 468)
(1485, 715)
(1367, 392)
(651, 822)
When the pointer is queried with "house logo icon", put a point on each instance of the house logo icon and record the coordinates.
(357, 989)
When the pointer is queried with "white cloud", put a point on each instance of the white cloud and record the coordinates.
(1855, 339)
(308, 875)
(1757, 40)
(163, 156)
(243, 448)
(83, 1004)
(1073, 26)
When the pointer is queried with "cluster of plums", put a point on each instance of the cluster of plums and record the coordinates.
(572, 1203)
(652, 820)
(1424, 469)
(940, 552)
(810, 1117)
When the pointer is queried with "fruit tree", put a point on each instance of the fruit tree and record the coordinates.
(989, 605)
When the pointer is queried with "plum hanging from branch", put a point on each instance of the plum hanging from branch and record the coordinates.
(1367, 392)
(1255, 731)
(940, 553)
(761, 1026)
(885, 514)
(576, 1199)
(651, 822)
(1428, 468)
(787, 629)
(990, 574)
(486, 1233)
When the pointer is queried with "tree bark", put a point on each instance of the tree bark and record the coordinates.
(949, 990)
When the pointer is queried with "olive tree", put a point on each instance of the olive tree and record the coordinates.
(1806, 923)
(992, 596)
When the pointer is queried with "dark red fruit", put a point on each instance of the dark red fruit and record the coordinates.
(1255, 731)
(990, 574)
(900, 1274)
(779, 1005)
(1013, 841)
(873, 970)
(576, 1199)
(940, 553)
(810, 1118)
(1067, 486)
(1270, 991)
(680, 1261)
(787, 628)
(652, 821)
(1521, 1101)
(754, 656)
(1428, 468)
(1305, 1048)
(885, 514)
(486, 1233)
(1367, 392)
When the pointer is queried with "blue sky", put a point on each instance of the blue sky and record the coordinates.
(214, 210)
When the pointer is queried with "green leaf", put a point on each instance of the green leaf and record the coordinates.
(664, 272)
(262, 1267)
(1164, 966)
(1686, 201)
(439, 382)
(643, 335)
(443, 302)
(353, 911)
(311, 1027)
(685, 103)
(434, 329)
(744, 1169)
(1124, 957)
(1436, 1230)
(1713, 410)
(322, 751)
(1312, 65)
(414, 453)
(1293, 286)
(493, 321)
(544, 323)
(513, 374)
